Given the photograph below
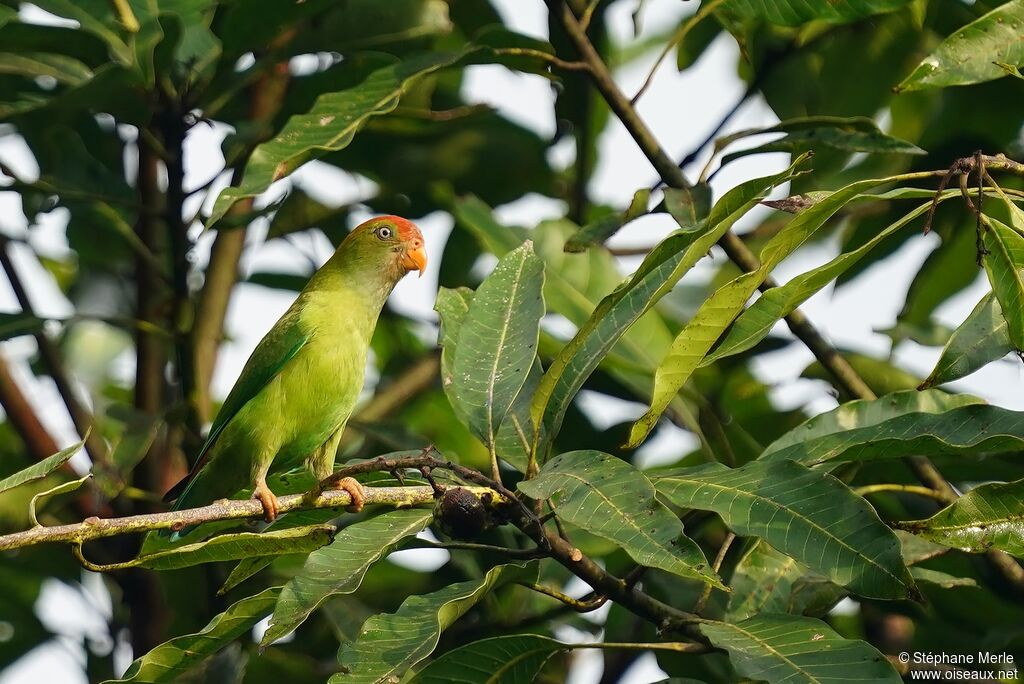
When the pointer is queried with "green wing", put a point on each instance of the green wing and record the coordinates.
(272, 354)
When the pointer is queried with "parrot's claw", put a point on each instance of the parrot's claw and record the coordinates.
(270, 503)
(355, 491)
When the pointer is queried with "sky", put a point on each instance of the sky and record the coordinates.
(680, 108)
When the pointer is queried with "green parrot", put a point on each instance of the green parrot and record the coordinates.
(298, 388)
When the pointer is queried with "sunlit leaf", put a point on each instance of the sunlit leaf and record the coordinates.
(970, 54)
(987, 517)
(498, 341)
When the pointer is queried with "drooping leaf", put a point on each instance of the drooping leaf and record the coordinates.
(895, 425)
(980, 339)
(788, 648)
(657, 275)
(846, 134)
(169, 661)
(688, 206)
(228, 547)
(807, 515)
(718, 311)
(990, 516)
(452, 306)
(391, 643)
(498, 341)
(942, 579)
(598, 231)
(608, 497)
(1004, 264)
(970, 54)
(754, 324)
(339, 567)
(40, 470)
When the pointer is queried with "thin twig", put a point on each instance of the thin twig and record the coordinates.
(578, 605)
(544, 57)
(719, 559)
(905, 489)
(705, 9)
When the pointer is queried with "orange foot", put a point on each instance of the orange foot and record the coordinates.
(354, 489)
(270, 503)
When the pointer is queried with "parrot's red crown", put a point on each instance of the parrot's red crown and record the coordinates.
(407, 230)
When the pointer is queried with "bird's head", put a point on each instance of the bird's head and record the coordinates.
(398, 240)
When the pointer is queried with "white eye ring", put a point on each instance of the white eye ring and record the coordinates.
(384, 233)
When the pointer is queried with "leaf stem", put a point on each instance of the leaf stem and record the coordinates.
(905, 489)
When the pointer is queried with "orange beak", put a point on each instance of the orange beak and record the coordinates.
(415, 259)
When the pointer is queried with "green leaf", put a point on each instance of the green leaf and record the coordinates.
(452, 305)
(40, 470)
(596, 232)
(942, 579)
(980, 339)
(59, 67)
(917, 550)
(846, 134)
(987, 517)
(172, 659)
(718, 311)
(806, 514)
(689, 206)
(787, 648)
(609, 498)
(761, 583)
(498, 341)
(339, 567)
(618, 311)
(228, 547)
(896, 425)
(969, 55)
(1004, 264)
(93, 17)
(754, 324)
(391, 643)
(300, 211)
(513, 659)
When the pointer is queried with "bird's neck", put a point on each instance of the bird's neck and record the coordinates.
(359, 285)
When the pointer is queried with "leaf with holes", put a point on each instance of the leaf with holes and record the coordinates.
(806, 514)
(389, 644)
(610, 498)
(497, 342)
(339, 567)
(971, 53)
(987, 517)
(787, 648)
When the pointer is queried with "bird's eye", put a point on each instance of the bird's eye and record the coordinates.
(384, 233)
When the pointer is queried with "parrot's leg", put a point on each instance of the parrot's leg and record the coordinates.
(267, 498)
(321, 463)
